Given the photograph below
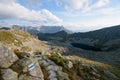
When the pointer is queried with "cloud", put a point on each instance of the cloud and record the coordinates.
(84, 5)
(12, 9)
(49, 16)
(75, 4)
(101, 3)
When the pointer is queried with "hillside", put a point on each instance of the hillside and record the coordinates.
(17, 39)
(100, 37)
(24, 61)
(106, 39)
(49, 36)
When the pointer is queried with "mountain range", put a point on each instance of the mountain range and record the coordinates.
(41, 29)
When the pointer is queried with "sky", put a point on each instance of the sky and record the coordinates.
(75, 15)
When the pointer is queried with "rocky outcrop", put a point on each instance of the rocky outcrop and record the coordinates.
(14, 68)
(30, 68)
(8, 74)
(34, 66)
(7, 57)
(54, 71)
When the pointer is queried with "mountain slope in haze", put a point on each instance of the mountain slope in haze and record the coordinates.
(41, 29)
(106, 37)
(53, 29)
(109, 33)
(49, 36)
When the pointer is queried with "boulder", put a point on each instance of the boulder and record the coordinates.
(7, 57)
(22, 65)
(8, 74)
(29, 66)
(69, 64)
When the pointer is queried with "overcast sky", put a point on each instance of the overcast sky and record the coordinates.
(76, 15)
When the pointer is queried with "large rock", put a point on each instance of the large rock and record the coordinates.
(8, 74)
(7, 57)
(29, 66)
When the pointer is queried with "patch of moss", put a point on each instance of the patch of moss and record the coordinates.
(58, 60)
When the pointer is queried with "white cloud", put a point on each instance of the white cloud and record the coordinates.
(49, 16)
(84, 5)
(75, 4)
(12, 9)
(93, 24)
(101, 3)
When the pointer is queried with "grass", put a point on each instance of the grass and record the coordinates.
(7, 37)
(58, 60)
(99, 65)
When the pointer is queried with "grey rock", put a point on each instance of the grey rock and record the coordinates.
(27, 77)
(54, 68)
(110, 75)
(69, 64)
(29, 66)
(50, 62)
(94, 69)
(95, 74)
(45, 63)
(8, 74)
(62, 76)
(52, 74)
(7, 57)
(23, 64)
(53, 78)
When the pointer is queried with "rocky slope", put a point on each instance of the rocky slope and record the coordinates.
(34, 66)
